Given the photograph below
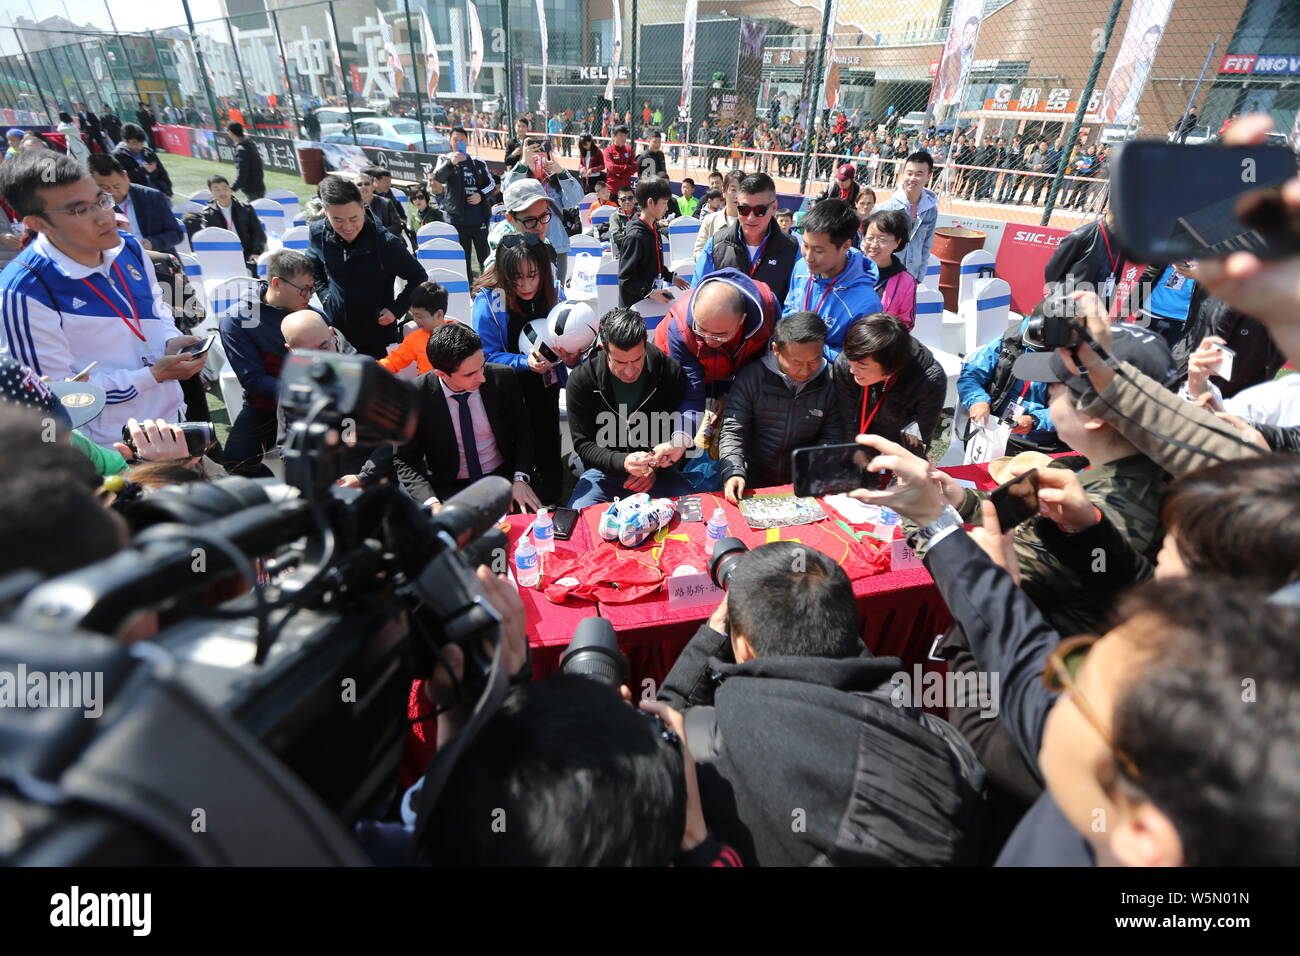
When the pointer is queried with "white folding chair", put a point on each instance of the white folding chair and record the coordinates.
(932, 269)
(404, 200)
(296, 239)
(928, 329)
(271, 213)
(975, 265)
(299, 220)
(261, 263)
(225, 293)
(652, 311)
(606, 286)
(584, 209)
(219, 252)
(288, 201)
(201, 195)
(232, 393)
(194, 272)
(437, 230)
(442, 254)
(498, 213)
(182, 206)
(992, 313)
(600, 216)
(681, 243)
(584, 243)
(459, 305)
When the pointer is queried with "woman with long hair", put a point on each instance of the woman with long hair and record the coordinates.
(591, 163)
(518, 288)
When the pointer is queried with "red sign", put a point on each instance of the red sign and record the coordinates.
(357, 83)
(174, 139)
(934, 68)
(1236, 63)
(1022, 256)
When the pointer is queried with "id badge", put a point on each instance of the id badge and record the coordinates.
(1014, 411)
(1109, 288)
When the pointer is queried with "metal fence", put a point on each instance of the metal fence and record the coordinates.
(1019, 101)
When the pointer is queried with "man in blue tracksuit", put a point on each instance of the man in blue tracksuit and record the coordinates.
(987, 387)
(833, 279)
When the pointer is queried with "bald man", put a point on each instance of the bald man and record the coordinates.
(307, 330)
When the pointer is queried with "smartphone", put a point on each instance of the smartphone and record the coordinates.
(563, 520)
(1224, 368)
(1016, 501)
(833, 469)
(1172, 201)
(81, 376)
(462, 148)
(546, 352)
(690, 508)
(199, 348)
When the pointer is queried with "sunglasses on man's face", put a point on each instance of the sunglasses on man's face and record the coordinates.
(756, 211)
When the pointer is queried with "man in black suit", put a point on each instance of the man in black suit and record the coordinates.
(147, 211)
(248, 164)
(224, 211)
(464, 395)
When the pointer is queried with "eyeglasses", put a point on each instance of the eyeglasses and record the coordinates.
(1058, 676)
(709, 336)
(532, 222)
(756, 211)
(77, 210)
(307, 290)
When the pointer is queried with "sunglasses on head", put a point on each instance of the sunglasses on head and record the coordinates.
(527, 240)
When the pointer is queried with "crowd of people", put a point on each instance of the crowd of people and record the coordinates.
(777, 336)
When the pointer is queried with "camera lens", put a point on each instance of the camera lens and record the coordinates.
(594, 653)
(725, 553)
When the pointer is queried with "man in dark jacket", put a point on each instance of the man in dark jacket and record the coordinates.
(888, 383)
(1088, 258)
(255, 349)
(248, 164)
(623, 415)
(756, 245)
(226, 212)
(802, 757)
(782, 402)
(356, 262)
(650, 162)
(140, 162)
(144, 116)
(112, 125)
(641, 266)
(467, 198)
(148, 213)
(385, 212)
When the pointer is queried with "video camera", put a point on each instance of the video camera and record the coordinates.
(352, 595)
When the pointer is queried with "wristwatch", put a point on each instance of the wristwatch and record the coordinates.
(524, 477)
(949, 520)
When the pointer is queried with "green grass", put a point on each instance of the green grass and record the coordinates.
(190, 174)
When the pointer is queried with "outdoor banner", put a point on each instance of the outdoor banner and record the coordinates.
(992, 229)
(545, 41)
(688, 65)
(749, 65)
(174, 139)
(390, 53)
(475, 44)
(1128, 77)
(520, 86)
(278, 154)
(1022, 256)
(958, 52)
(432, 66)
(334, 46)
(618, 50)
(831, 83)
(403, 164)
(338, 157)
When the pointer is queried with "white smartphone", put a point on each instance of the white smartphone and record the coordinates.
(1224, 367)
(81, 376)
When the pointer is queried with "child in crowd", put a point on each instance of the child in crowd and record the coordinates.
(429, 310)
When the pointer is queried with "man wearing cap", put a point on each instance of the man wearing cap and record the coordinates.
(83, 292)
(467, 196)
(530, 209)
(844, 186)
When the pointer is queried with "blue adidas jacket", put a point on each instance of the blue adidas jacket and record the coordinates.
(852, 296)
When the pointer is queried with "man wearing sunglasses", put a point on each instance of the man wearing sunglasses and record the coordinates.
(255, 349)
(755, 245)
(85, 292)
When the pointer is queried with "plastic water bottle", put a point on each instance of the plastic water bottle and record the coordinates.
(527, 568)
(544, 531)
(717, 527)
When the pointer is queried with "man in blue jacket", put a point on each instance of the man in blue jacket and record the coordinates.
(833, 279)
(255, 349)
(987, 387)
(147, 210)
(922, 208)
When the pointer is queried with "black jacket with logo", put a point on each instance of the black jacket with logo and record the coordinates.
(776, 264)
(470, 173)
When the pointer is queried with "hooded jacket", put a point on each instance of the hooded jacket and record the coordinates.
(710, 370)
(852, 295)
(591, 395)
(823, 735)
(916, 254)
(977, 381)
(255, 349)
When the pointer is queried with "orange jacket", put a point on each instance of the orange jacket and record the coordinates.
(411, 350)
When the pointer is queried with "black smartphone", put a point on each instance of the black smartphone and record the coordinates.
(563, 521)
(546, 352)
(199, 348)
(1016, 501)
(1172, 201)
(832, 469)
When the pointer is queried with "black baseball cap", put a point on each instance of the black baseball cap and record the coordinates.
(71, 404)
(1144, 350)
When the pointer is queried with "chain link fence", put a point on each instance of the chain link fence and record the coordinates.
(1018, 101)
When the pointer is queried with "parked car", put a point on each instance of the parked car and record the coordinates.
(434, 113)
(386, 132)
(334, 119)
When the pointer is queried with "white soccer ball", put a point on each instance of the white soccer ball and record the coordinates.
(532, 335)
(573, 326)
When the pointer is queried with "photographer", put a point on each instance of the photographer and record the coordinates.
(469, 189)
(782, 653)
(1135, 726)
(987, 386)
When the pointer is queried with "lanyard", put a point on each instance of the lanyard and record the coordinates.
(137, 328)
(758, 256)
(807, 293)
(865, 419)
(1113, 260)
(659, 251)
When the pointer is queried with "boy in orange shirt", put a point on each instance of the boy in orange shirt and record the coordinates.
(429, 309)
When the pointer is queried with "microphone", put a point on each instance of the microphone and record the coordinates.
(470, 513)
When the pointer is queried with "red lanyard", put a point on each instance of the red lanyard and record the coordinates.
(863, 418)
(807, 293)
(758, 256)
(136, 329)
(1113, 260)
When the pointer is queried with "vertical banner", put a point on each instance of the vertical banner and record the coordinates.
(958, 52)
(749, 66)
(541, 19)
(1137, 51)
(688, 65)
(334, 47)
(390, 53)
(475, 44)
(432, 67)
(618, 51)
(831, 82)
(519, 84)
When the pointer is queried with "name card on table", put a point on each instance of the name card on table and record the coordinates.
(902, 557)
(693, 590)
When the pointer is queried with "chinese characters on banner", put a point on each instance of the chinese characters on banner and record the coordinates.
(1031, 99)
(1128, 77)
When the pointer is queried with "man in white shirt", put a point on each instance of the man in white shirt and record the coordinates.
(84, 294)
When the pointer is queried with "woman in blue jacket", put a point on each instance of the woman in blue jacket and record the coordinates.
(518, 288)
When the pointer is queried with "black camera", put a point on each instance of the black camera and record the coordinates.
(1053, 323)
(594, 652)
(199, 436)
(726, 553)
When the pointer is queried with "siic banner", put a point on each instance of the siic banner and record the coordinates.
(1021, 259)
(278, 155)
(1128, 77)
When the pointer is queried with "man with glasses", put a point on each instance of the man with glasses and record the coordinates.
(146, 209)
(756, 246)
(530, 211)
(621, 219)
(623, 415)
(255, 349)
(85, 293)
(386, 212)
(467, 196)
(642, 270)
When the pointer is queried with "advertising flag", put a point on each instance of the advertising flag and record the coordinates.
(475, 44)
(958, 52)
(541, 18)
(688, 62)
(618, 50)
(1137, 51)
(432, 66)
